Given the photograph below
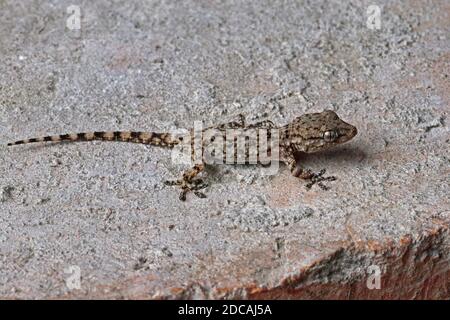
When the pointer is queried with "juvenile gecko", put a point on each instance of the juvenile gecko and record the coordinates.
(308, 133)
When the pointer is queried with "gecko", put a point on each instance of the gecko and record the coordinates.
(308, 133)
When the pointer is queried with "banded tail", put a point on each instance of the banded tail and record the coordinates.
(153, 138)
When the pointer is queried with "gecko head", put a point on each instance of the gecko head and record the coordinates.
(320, 131)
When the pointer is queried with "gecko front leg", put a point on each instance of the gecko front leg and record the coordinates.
(306, 174)
(189, 183)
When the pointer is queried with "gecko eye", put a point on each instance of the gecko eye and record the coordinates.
(330, 136)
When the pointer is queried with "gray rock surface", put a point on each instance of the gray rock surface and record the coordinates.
(102, 209)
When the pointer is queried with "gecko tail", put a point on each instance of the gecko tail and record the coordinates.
(153, 138)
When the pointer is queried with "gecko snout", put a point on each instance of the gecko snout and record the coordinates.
(346, 133)
(354, 132)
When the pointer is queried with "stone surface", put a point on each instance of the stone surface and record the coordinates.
(101, 208)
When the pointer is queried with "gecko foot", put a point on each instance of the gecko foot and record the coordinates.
(317, 178)
(187, 186)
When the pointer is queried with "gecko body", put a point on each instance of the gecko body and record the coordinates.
(308, 133)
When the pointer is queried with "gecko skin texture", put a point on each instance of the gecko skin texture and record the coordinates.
(308, 133)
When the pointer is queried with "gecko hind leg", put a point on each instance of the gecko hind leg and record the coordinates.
(188, 182)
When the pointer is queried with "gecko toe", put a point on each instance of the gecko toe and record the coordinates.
(200, 187)
(200, 194)
(173, 182)
(196, 182)
(323, 187)
(319, 174)
(318, 178)
(182, 196)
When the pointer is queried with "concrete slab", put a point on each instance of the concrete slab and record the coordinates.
(94, 220)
